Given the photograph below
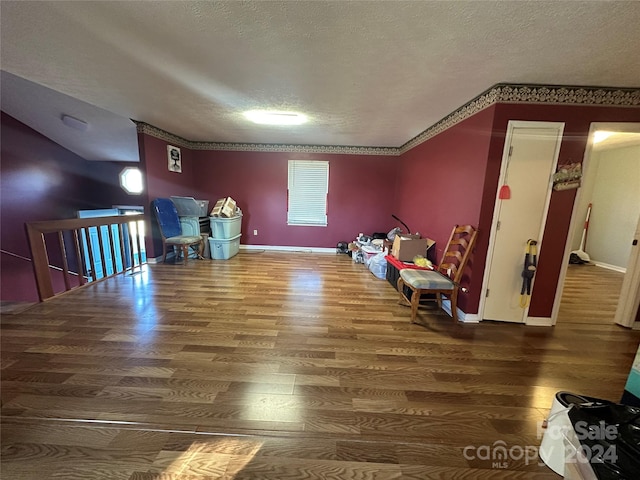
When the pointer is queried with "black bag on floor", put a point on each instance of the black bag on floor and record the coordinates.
(342, 247)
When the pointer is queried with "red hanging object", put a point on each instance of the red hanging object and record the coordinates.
(505, 191)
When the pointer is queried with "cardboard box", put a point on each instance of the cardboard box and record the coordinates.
(405, 247)
(225, 207)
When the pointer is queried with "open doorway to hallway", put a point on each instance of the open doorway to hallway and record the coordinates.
(611, 183)
(591, 294)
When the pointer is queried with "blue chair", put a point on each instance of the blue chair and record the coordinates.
(171, 230)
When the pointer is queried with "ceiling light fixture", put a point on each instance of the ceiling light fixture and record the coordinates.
(601, 135)
(74, 122)
(273, 117)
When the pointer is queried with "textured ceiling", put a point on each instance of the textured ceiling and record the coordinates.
(368, 73)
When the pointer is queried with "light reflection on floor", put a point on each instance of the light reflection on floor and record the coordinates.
(305, 288)
(306, 279)
(273, 408)
(144, 307)
(214, 458)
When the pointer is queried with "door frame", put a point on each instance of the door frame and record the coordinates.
(625, 311)
(629, 302)
(513, 124)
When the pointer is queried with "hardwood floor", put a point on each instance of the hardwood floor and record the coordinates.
(281, 366)
(590, 295)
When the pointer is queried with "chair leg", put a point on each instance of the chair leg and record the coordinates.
(415, 302)
(400, 287)
(185, 254)
(164, 252)
(439, 299)
(454, 304)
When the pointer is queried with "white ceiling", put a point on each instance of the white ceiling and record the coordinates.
(622, 135)
(367, 73)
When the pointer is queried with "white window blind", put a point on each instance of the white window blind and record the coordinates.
(308, 189)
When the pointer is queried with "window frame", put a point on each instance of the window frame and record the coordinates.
(307, 181)
(125, 183)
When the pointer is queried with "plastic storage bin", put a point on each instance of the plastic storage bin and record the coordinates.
(225, 228)
(190, 226)
(224, 249)
(368, 252)
(190, 207)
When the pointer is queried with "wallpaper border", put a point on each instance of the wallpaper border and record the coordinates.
(500, 93)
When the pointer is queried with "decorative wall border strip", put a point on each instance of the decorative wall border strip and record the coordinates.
(260, 147)
(500, 93)
(537, 94)
(277, 147)
(160, 134)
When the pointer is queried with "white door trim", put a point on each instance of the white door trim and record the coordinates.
(630, 292)
(513, 124)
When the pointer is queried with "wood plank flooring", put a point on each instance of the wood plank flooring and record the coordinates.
(590, 295)
(281, 366)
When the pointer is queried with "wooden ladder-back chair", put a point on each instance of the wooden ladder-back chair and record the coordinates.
(445, 279)
(171, 230)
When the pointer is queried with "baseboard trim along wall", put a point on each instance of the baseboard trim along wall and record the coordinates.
(462, 317)
(539, 321)
(276, 248)
(608, 266)
(258, 248)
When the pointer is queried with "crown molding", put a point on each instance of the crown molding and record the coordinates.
(500, 93)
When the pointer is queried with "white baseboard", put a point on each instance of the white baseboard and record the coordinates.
(271, 248)
(469, 317)
(538, 321)
(275, 248)
(608, 266)
(462, 317)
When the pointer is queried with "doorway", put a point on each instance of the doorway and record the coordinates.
(529, 159)
(591, 292)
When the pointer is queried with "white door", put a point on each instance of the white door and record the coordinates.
(529, 160)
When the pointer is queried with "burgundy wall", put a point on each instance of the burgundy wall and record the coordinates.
(160, 181)
(441, 183)
(43, 181)
(469, 154)
(361, 190)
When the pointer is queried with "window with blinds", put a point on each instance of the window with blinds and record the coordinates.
(308, 189)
